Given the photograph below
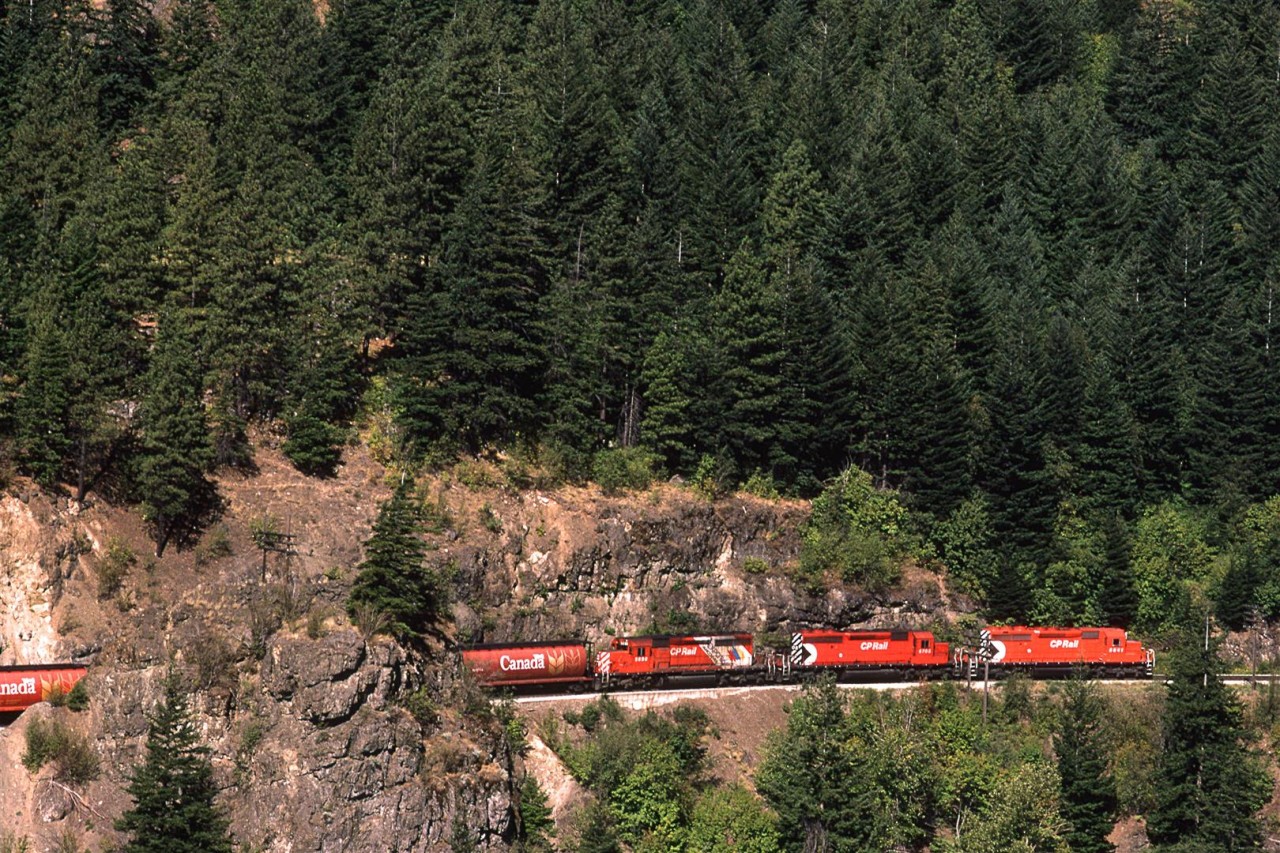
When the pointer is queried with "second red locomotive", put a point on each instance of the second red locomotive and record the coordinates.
(904, 653)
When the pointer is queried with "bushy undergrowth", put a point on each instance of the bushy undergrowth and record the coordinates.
(51, 741)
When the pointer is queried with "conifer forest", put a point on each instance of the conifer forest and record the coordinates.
(1007, 268)
(990, 283)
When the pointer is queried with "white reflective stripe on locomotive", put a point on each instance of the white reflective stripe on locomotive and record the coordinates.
(802, 653)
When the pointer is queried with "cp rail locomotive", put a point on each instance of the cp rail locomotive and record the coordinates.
(670, 660)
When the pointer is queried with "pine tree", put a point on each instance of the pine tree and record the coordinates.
(1156, 76)
(1088, 791)
(41, 411)
(1209, 787)
(719, 137)
(667, 427)
(125, 61)
(980, 109)
(759, 410)
(173, 790)
(97, 334)
(394, 578)
(472, 366)
(1118, 597)
(175, 449)
(410, 155)
(54, 149)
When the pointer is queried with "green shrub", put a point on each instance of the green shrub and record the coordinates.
(77, 698)
(114, 567)
(315, 622)
(755, 566)
(251, 737)
(216, 544)
(212, 660)
(71, 754)
(10, 843)
(489, 520)
(856, 531)
(713, 477)
(68, 842)
(761, 485)
(422, 707)
(621, 468)
(312, 445)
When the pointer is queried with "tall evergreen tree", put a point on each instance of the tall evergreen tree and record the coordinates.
(41, 412)
(1088, 790)
(668, 427)
(719, 136)
(125, 61)
(173, 790)
(1209, 787)
(473, 362)
(394, 578)
(175, 449)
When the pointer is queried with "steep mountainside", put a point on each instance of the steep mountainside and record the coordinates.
(306, 714)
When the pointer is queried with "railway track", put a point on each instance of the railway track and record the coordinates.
(639, 700)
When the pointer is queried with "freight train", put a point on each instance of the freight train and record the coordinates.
(669, 660)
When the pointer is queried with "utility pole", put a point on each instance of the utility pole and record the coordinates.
(986, 686)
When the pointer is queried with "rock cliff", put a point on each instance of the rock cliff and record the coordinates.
(322, 738)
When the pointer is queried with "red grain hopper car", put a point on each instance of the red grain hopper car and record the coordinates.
(910, 653)
(23, 686)
(561, 663)
(1104, 651)
(657, 659)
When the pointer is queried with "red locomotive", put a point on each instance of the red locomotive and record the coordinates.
(657, 659)
(23, 686)
(529, 664)
(908, 653)
(1058, 651)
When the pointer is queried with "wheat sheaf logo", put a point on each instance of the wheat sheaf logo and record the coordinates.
(53, 688)
(555, 663)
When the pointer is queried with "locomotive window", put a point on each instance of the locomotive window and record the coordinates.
(924, 644)
(1116, 641)
(1089, 635)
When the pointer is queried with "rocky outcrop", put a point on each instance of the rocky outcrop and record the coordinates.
(573, 564)
(316, 755)
(39, 551)
(325, 760)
